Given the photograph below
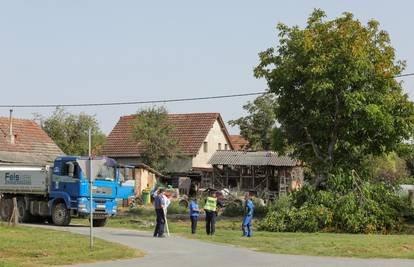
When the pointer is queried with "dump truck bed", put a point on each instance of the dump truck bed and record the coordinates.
(24, 179)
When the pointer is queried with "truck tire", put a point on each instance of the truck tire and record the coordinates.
(60, 214)
(6, 209)
(99, 222)
(24, 214)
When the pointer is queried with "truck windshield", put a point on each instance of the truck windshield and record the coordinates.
(106, 173)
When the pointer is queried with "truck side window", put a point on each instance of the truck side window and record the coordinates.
(70, 168)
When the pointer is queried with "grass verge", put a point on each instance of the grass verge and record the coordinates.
(228, 231)
(27, 246)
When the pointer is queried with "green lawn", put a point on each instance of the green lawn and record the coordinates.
(27, 246)
(321, 244)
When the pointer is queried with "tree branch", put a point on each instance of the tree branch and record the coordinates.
(334, 133)
(315, 148)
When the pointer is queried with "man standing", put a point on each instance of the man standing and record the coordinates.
(248, 216)
(210, 208)
(194, 213)
(159, 204)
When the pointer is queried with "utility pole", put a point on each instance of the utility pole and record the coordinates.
(90, 189)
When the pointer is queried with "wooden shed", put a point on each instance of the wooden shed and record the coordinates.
(263, 172)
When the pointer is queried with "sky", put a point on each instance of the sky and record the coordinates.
(79, 51)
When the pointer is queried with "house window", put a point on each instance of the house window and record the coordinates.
(225, 147)
(219, 146)
(205, 146)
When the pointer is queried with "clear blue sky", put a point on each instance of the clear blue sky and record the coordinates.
(98, 51)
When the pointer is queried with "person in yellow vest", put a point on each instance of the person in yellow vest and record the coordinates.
(210, 208)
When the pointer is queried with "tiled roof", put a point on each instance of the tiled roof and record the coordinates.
(31, 143)
(239, 143)
(251, 158)
(189, 129)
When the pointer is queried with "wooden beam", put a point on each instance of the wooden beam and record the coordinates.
(213, 178)
(227, 177)
(253, 175)
(240, 179)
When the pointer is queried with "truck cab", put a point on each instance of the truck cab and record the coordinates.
(70, 191)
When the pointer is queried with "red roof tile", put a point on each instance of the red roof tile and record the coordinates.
(30, 139)
(189, 129)
(239, 143)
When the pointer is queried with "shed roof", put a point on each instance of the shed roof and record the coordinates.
(189, 129)
(251, 158)
(32, 145)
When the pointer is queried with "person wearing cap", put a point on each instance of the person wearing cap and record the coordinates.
(248, 216)
(159, 205)
(194, 213)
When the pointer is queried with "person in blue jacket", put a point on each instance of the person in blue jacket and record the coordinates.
(194, 213)
(248, 216)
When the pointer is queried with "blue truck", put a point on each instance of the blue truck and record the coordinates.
(59, 192)
(126, 185)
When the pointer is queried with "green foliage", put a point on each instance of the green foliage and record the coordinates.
(257, 127)
(233, 210)
(260, 210)
(335, 96)
(176, 208)
(406, 152)
(388, 168)
(236, 210)
(152, 131)
(347, 205)
(70, 131)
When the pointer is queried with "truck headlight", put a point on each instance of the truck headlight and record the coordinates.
(82, 206)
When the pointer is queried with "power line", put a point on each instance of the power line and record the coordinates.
(151, 101)
(132, 102)
(404, 75)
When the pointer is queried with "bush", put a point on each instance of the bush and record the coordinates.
(176, 208)
(260, 210)
(235, 209)
(348, 204)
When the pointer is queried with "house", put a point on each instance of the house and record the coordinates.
(199, 135)
(239, 143)
(263, 172)
(24, 142)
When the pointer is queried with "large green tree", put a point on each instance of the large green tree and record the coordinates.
(70, 131)
(152, 130)
(336, 96)
(258, 125)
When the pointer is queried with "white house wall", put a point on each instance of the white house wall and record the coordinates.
(214, 137)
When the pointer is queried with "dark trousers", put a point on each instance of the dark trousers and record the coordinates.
(210, 222)
(159, 227)
(193, 224)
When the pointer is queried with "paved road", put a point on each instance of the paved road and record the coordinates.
(180, 252)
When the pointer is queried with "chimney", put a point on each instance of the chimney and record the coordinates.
(11, 135)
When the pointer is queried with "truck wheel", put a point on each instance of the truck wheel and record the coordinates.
(61, 215)
(99, 222)
(24, 214)
(6, 209)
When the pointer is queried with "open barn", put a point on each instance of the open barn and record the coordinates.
(263, 172)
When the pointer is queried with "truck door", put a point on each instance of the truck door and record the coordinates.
(67, 180)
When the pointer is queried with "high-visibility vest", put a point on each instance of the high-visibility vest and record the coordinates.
(211, 204)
